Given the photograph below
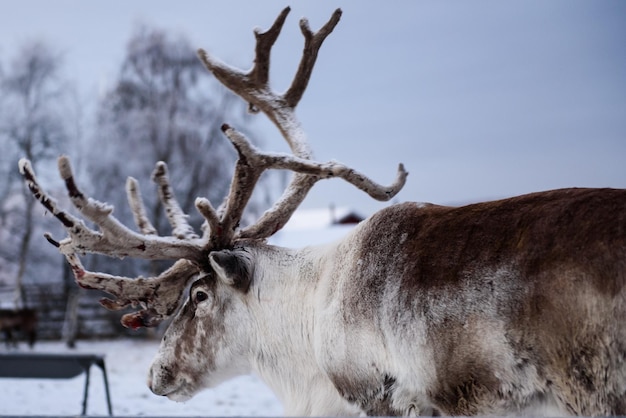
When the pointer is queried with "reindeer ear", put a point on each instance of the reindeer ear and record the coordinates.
(233, 268)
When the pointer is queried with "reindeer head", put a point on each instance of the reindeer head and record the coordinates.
(207, 341)
(211, 260)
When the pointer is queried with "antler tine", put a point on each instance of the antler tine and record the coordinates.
(115, 239)
(137, 208)
(26, 170)
(177, 218)
(212, 228)
(264, 42)
(312, 44)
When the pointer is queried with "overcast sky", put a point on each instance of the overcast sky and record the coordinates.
(479, 99)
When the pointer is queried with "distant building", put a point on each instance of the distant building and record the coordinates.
(316, 226)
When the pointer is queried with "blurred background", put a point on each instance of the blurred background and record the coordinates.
(480, 100)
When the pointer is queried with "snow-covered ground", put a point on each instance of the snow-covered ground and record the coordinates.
(127, 363)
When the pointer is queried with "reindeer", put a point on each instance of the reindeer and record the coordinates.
(23, 321)
(514, 306)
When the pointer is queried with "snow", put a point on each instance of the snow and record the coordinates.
(309, 219)
(127, 364)
(312, 227)
(305, 237)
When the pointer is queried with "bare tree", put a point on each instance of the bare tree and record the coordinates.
(35, 100)
(164, 107)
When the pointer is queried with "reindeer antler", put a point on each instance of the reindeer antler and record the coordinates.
(159, 296)
(253, 87)
(115, 239)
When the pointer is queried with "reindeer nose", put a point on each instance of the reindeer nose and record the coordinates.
(155, 382)
(150, 380)
(160, 380)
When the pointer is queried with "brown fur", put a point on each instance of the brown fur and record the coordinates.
(24, 321)
(550, 266)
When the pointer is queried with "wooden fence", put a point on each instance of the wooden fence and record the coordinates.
(54, 304)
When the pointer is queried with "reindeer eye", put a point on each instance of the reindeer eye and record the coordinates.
(201, 296)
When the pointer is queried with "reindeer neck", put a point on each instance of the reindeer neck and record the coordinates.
(283, 297)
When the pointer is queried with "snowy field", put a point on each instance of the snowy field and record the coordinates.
(127, 363)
